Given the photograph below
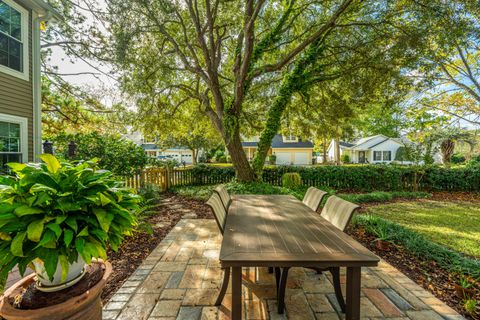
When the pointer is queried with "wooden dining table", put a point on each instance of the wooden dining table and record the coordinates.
(281, 231)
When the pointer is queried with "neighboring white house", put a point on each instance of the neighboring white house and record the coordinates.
(374, 149)
(289, 150)
(181, 154)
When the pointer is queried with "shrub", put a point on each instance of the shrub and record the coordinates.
(457, 158)
(57, 212)
(382, 196)
(420, 246)
(272, 159)
(291, 180)
(120, 156)
(345, 158)
(222, 159)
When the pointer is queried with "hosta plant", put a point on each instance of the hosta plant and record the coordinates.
(60, 213)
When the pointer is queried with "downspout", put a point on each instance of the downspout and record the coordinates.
(37, 83)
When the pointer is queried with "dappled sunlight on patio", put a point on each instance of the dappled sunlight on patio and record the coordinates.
(181, 280)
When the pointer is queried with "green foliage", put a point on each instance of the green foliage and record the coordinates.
(382, 177)
(272, 159)
(457, 158)
(345, 158)
(358, 178)
(420, 246)
(120, 156)
(383, 196)
(402, 154)
(474, 162)
(291, 180)
(55, 211)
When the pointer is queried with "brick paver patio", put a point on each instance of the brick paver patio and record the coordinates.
(181, 278)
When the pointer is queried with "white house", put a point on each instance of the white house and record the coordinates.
(289, 150)
(374, 149)
(181, 154)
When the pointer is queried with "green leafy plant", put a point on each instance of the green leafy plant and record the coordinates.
(57, 212)
(291, 180)
(122, 157)
(464, 282)
(470, 305)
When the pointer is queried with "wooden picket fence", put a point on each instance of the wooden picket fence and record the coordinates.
(162, 177)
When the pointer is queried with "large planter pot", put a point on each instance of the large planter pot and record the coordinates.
(88, 305)
(75, 273)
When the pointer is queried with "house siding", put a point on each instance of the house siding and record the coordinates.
(16, 95)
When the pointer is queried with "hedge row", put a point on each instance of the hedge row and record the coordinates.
(383, 177)
(361, 177)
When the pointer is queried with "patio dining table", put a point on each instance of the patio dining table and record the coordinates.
(280, 231)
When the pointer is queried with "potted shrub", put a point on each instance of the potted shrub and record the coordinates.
(381, 231)
(56, 218)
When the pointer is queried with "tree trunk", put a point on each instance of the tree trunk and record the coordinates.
(447, 147)
(194, 157)
(244, 172)
(324, 160)
(337, 151)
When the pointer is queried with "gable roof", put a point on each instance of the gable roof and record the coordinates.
(365, 140)
(277, 142)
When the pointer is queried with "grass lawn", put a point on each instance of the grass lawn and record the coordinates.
(453, 224)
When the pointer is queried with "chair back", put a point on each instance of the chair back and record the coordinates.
(215, 203)
(338, 212)
(224, 196)
(313, 198)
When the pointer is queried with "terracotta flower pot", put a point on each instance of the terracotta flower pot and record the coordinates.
(382, 245)
(85, 306)
(462, 292)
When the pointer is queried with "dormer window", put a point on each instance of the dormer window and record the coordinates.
(13, 39)
(290, 139)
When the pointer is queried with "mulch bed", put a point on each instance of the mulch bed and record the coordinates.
(137, 247)
(33, 298)
(427, 274)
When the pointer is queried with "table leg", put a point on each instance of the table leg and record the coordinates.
(236, 293)
(353, 293)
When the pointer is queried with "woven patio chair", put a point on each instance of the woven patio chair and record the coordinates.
(313, 198)
(224, 196)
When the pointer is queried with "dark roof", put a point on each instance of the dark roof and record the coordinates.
(346, 144)
(149, 146)
(376, 144)
(277, 142)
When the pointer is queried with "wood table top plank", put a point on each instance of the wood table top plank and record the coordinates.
(280, 230)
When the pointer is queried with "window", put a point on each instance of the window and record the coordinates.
(290, 139)
(387, 155)
(13, 39)
(13, 140)
(377, 155)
